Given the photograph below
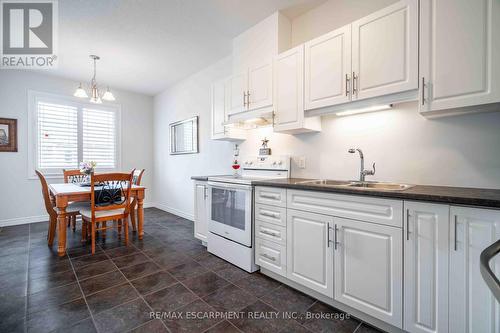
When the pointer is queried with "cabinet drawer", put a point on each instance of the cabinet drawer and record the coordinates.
(270, 196)
(272, 232)
(369, 209)
(271, 256)
(270, 214)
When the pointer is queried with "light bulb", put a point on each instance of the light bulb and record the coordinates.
(96, 100)
(80, 92)
(108, 96)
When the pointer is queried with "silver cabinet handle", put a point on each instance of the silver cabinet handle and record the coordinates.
(275, 216)
(354, 83)
(206, 192)
(248, 99)
(347, 79)
(267, 196)
(268, 257)
(269, 233)
(335, 241)
(423, 90)
(244, 99)
(328, 236)
(408, 224)
(455, 232)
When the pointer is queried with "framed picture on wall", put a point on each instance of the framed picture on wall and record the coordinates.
(184, 136)
(8, 135)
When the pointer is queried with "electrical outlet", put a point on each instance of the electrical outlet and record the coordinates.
(301, 162)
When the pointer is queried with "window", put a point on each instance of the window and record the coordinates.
(99, 138)
(64, 132)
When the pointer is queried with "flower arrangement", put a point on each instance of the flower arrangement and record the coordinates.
(87, 167)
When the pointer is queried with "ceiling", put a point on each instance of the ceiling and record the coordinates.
(147, 45)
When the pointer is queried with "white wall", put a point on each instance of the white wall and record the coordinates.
(20, 197)
(457, 151)
(331, 15)
(191, 97)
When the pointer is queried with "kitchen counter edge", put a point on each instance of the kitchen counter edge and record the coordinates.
(430, 193)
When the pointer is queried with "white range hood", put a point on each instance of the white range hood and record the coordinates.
(251, 119)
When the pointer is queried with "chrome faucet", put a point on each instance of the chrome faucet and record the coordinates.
(362, 172)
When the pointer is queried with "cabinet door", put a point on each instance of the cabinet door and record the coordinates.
(309, 251)
(218, 109)
(328, 69)
(426, 267)
(459, 53)
(289, 89)
(473, 308)
(237, 85)
(369, 268)
(260, 85)
(271, 256)
(385, 51)
(201, 213)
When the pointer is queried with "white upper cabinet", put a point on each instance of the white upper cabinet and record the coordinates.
(218, 108)
(219, 96)
(459, 55)
(385, 51)
(251, 89)
(328, 69)
(426, 242)
(237, 86)
(260, 85)
(473, 308)
(288, 94)
(309, 251)
(369, 268)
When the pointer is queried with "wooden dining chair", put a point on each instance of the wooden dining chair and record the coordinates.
(74, 176)
(110, 200)
(71, 211)
(136, 180)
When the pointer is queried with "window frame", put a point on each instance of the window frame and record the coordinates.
(36, 96)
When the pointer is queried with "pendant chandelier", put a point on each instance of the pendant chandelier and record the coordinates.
(95, 93)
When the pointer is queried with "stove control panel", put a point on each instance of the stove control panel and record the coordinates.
(267, 162)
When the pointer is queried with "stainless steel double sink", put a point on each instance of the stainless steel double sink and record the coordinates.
(367, 185)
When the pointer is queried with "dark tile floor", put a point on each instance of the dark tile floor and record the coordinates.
(118, 288)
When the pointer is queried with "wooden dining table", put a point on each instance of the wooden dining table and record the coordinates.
(64, 193)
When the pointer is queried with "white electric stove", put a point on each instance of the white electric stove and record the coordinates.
(230, 201)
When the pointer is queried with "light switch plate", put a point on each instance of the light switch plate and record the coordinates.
(301, 161)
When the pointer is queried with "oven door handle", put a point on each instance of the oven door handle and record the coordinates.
(230, 186)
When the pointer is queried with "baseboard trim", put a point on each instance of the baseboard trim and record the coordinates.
(44, 218)
(23, 220)
(174, 211)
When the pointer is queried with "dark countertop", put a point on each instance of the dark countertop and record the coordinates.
(201, 178)
(441, 194)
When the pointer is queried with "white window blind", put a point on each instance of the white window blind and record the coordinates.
(99, 137)
(57, 136)
(66, 132)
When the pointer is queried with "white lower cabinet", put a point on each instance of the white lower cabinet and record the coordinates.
(422, 278)
(271, 256)
(369, 268)
(426, 232)
(200, 210)
(473, 308)
(310, 251)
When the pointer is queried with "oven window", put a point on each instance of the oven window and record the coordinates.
(228, 207)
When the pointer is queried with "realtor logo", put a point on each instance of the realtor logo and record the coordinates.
(28, 32)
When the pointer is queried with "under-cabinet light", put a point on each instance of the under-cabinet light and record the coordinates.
(364, 110)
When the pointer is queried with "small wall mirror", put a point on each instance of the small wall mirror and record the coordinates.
(184, 136)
